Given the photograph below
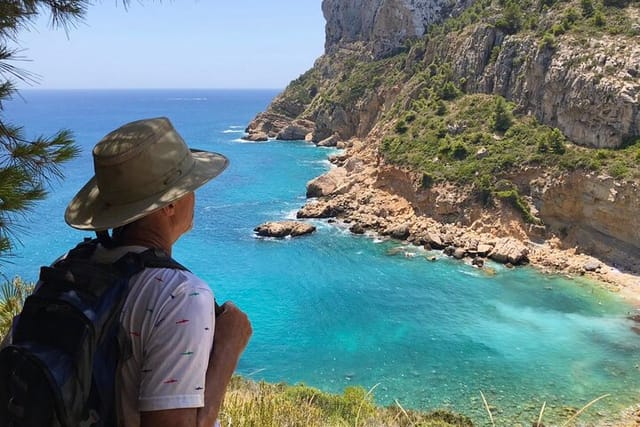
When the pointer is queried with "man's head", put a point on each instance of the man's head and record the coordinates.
(140, 168)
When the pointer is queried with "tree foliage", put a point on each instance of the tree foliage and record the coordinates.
(501, 118)
(12, 296)
(27, 165)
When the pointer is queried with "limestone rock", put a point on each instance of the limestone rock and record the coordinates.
(284, 229)
(269, 124)
(483, 249)
(592, 266)
(478, 262)
(317, 210)
(459, 253)
(256, 137)
(434, 240)
(383, 25)
(326, 184)
(510, 251)
(399, 232)
(331, 141)
(356, 229)
(296, 131)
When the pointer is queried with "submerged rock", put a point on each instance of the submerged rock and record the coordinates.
(284, 229)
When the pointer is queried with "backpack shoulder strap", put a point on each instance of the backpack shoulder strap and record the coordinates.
(157, 258)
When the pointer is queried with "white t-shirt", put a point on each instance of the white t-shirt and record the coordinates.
(169, 317)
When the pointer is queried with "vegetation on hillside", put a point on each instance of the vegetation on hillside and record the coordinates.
(440, 130)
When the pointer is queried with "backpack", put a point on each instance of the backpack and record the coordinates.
(60, 368)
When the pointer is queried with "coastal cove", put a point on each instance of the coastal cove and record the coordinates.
(333, 309)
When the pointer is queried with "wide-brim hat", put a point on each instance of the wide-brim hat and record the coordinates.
(139, 168)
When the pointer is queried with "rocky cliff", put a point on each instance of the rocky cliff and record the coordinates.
(381, 25)
(389, 63)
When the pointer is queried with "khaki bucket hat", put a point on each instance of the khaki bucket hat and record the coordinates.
(139, 168)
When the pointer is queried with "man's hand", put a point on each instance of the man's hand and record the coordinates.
(232, 333)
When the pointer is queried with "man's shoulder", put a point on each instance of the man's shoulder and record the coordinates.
(173, 280)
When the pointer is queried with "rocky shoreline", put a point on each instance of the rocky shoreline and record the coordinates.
(359, 191)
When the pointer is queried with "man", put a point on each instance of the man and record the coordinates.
(143, 187)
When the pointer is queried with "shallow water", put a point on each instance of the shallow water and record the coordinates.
(332, 309)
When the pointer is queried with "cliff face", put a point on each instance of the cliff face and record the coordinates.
(590, 92)
(382, 25)
(586, 84)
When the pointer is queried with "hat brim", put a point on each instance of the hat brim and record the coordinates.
(88, 211)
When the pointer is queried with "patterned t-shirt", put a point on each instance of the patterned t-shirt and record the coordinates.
(169, 318)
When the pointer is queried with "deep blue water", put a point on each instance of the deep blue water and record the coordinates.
(332, 309)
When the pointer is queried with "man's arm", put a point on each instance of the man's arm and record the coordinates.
(232, 334)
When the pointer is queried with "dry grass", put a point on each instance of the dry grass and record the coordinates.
(249, 403)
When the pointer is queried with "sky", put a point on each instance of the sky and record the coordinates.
(177, 44)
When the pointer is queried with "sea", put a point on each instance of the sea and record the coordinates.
(334, 310)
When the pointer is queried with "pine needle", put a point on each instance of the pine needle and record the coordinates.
(584, 408)
(486, 406)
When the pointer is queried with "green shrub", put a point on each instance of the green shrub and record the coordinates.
(459, 151)
(518, 203)
(619, 170)
(449, 91)
(401, 127)
(440, 108)
(548, 41)
(599, 19)
(552, 142)
(587, 8)
(502, 118)
(511, 19)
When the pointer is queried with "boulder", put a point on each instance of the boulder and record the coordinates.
(356, 229)
(317, 210)
(459, 253)
(256, 137)
(331, 141)
(478, 262)
(592, 266)
(482, 153)
(284, 229)
(268, 123)
(296, 131)
(399, 232)
(483, 250)
(510, 251)
(434, 240)
(326, 184)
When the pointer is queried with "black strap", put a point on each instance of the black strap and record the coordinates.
(132, 262)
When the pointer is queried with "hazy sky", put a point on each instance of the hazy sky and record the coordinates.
(179, 44)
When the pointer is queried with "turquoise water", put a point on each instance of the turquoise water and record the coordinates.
(332, 309)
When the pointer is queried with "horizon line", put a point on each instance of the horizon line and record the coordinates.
(150, 88)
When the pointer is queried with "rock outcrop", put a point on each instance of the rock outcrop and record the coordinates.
(589, 93)
(380, 25)
(284, 229)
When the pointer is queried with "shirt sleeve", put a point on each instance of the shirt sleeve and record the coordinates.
(177, 347)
